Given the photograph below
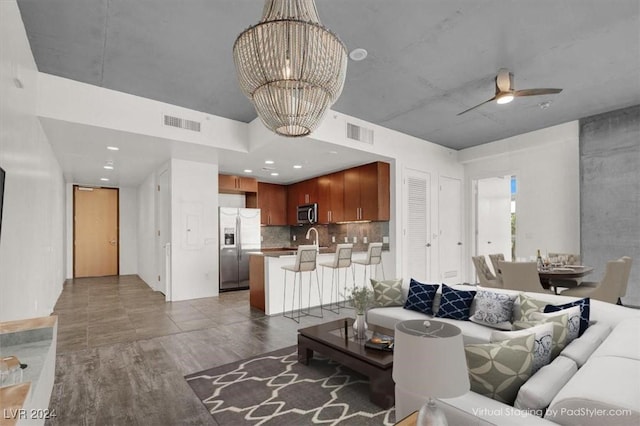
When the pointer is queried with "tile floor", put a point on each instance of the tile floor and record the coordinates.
(123, 350)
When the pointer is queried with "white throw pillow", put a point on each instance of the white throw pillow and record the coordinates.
(538, 392)
(541, 347)
(493, 309)
(573, 321)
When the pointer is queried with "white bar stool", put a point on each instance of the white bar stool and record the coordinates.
(342, 260)
(305, 262)
(374, 258)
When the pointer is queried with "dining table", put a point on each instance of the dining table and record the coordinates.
(567, 276)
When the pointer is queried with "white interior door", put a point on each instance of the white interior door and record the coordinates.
(450, 233)
(163, 234)
(493, 216)
(417, 229)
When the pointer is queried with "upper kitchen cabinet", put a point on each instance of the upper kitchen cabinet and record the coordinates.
(305, 192)
(229, 184)
(331, 198)
(366, 192)
(272, 202)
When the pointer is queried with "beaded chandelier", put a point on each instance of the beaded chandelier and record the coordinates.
(290, 66)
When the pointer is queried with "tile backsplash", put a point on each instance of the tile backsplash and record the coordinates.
(283, 236)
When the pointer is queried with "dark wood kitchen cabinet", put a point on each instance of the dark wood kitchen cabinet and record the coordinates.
(272, 202)
(331, 198)
(366, 192)
(230, 184)
(304, 192)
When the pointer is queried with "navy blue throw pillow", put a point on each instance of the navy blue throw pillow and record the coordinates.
(421, 297)
(584, 311)
(455, 304)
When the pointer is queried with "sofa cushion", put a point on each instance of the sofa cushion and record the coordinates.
(493, 309)
(624, 341)
(581, 349)
(559, 331)
(526, 305)
(584, 311)
(455, 304)
(542, 344)
(421, 297)
(573, 320)
(537, 393)
(497, 370)
(597, 394)
(387, 293)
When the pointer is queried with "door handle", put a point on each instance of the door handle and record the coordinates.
(428, 245)
(488, 242)
(459, 243)
(113, 242)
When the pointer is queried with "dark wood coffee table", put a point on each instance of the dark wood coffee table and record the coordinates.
(329, 339)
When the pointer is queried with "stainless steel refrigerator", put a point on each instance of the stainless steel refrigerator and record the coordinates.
(239, 235)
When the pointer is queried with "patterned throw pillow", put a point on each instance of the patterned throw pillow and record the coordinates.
(527, 305)
(421, 297)
(455, 304)
(497, 370)
(541, 347)
(559, 331)
(387, 293)
(573, 321)
(584, 311)
(494, 309)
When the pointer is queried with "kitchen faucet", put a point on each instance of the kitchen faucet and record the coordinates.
(315, 242)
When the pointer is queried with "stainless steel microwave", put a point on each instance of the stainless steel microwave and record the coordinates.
(308, 213)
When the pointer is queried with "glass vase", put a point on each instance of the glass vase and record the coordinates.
(360, 327)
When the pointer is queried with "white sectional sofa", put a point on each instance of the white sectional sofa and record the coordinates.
(594, 381)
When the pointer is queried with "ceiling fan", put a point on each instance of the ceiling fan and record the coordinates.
(505, 91)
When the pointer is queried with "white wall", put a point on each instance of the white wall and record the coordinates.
(194, 230)
(146, 230)
(546, 165)
(32, 237)
(128, 205)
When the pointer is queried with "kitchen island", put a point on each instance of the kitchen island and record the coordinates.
(266, 278)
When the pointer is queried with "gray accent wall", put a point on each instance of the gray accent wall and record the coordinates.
(610, 193)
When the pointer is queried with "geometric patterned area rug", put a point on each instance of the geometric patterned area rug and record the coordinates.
(274, 389)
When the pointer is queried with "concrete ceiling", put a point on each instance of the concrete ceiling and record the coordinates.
(428, 60)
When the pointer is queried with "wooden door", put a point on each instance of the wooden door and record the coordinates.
(324, 199)
(227, 183)
(369, 192)
(95, 232)
(278, 205)
(246, 184)
(293, 194)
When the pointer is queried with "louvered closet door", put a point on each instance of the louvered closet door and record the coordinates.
(417, 231)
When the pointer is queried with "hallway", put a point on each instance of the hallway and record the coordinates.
(123, 350)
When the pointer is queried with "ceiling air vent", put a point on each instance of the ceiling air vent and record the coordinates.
(181, 123)
(360, 134)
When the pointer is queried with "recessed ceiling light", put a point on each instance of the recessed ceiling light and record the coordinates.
(275, 174)
(248, 171)
(269, 162)
(104, 179)
(113, 148)
(358, 54)
(297, 166)
(108, 167)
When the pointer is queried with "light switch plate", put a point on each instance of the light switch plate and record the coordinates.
(365, 240)
(385, 240)
(333, 238)
(346, 239)
(355, 240)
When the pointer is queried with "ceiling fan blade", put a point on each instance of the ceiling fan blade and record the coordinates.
(504, 80)
(536, 92)
(474, 107)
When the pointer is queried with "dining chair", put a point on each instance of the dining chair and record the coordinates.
(521, 276)
(494, 258)
(305, 262)
(609, 289)
(625, 279)
(485, 276)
